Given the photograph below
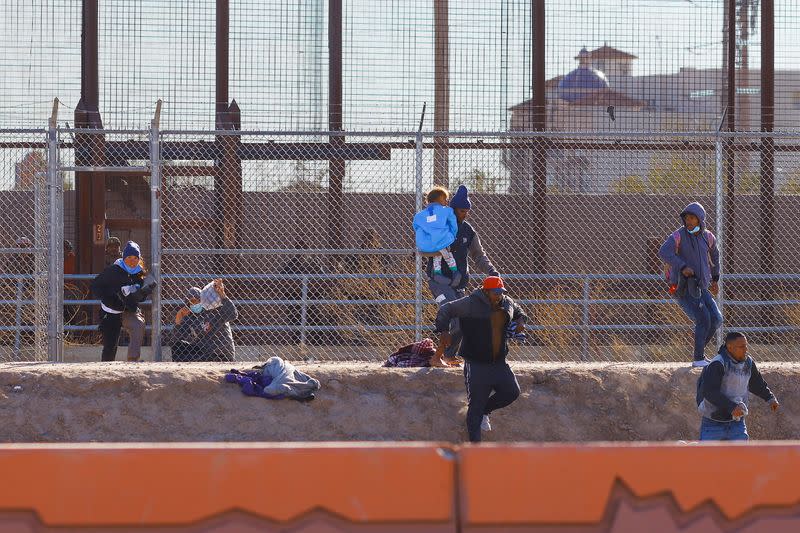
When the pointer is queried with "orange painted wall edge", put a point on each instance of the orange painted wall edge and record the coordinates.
(115, 485)
(368, 483)
(571, 484)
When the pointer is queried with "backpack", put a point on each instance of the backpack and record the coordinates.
(711, 241)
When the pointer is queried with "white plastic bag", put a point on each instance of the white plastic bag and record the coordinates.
(209, 297)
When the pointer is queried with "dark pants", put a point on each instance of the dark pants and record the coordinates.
(110, 326)
(481, 379)
(443, 294)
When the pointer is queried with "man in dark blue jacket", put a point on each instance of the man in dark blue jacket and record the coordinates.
(467, 244)
(485, 316)
(693, 259)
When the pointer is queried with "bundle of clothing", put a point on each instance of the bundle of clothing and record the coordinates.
(411, 355)
(276, 379)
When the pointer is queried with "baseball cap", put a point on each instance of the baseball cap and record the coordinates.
(494, 283)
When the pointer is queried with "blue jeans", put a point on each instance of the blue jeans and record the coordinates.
(713, 430)
(707, 319)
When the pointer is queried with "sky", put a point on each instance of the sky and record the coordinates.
(151, 49)
(154, 49)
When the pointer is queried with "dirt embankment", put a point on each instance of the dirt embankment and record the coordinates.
(121, 402)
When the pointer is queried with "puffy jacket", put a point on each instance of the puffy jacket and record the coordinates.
(107, 286)
(435, 228)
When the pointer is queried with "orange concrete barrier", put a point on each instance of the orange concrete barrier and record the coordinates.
(187, 484)
(608, 487)
(393, 488)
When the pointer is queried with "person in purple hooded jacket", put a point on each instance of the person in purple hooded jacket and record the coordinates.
(693, 259)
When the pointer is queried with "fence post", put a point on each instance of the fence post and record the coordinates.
(304, 311)
(720, 229)
(18, 319)
(155, 231)
(418, 258)
(585, 321)
(55, 263)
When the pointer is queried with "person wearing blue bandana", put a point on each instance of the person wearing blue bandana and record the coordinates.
(692, 258)
(121, 288)
(203, 335)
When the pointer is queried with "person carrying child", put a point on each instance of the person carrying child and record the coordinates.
(435, 228)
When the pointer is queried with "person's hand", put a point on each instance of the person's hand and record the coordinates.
(219, 286)
(129, 289)
(445, 339)
(774, 405)
(520, 327)
(738, 412)
(687, 272)
(436, 360)
(183, 312)
(714, 288)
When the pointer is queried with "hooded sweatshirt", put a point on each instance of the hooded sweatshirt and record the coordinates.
(694, 251)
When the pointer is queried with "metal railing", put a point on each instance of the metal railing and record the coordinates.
(585, 303)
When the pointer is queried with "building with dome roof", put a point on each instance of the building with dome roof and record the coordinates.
(688, 100)
(582, 82)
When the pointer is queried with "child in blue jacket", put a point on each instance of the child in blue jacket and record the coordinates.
(436, 228)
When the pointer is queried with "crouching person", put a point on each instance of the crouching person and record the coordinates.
(723, 389)
(121, 288)
(204, 335)
(484, 316)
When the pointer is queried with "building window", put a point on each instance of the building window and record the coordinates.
(705, 93)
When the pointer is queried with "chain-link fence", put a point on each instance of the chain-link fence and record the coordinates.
(312, 234)
(25, 242)
(112, 167)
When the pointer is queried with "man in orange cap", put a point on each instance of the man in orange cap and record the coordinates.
(485, 316)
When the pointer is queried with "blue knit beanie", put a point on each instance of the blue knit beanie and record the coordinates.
(131, 248)
(461, 199)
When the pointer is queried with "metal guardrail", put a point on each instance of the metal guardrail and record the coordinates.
(585, 303)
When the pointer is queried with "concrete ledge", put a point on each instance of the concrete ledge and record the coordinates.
(170, 402)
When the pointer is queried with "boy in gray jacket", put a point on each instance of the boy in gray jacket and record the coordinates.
(485, 315)
(723, 390)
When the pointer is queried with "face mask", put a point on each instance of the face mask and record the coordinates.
(694, 230)
(129, 270)
(196, 308)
